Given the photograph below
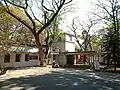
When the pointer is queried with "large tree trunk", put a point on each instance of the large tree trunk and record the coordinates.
(46, 52)
(41, 53)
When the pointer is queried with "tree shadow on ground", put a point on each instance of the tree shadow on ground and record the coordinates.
(2, 72)
(64, 80)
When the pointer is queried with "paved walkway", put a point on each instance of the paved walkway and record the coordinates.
(46, 78)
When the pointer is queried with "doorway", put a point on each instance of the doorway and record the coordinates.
(70, 59)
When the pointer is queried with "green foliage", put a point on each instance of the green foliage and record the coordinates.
(109, 12)
(111, 47)
(57, 33)
(12, 32)
(54, 33)
(6, 29)
(96, 44)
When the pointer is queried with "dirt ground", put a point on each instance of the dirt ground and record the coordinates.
(19, 72)
(48, 78)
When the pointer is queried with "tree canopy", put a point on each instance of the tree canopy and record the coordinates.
(47, 12)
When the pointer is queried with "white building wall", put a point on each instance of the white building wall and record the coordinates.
(12, 61)
(67, 38)
(60, 45)
(69, 43)
(62, 59)
(66, 45)
(22, 62)
(69, 46)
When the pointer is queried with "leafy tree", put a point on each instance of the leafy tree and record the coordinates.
(46, 8)
(53, 34)
(111, 47)
(12, 33)
(7, 29)
(24, 36)
(96, 44)
(109, 14)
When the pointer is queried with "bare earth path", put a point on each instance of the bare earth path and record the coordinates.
(47, 78)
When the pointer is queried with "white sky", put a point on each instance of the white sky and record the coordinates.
(83, 7)
(81, 11)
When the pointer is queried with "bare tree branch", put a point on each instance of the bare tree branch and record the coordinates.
(36, 17)
(33, 22)
(46, 7)
(49, 13)
(52, 18)
(22, 21)
(68, 1)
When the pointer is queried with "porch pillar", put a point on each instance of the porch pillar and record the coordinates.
(1, 61)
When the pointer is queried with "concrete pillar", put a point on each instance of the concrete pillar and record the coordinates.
(88, 59)
(75, 59)
(1, 61)
(12, 59)
(93, 60)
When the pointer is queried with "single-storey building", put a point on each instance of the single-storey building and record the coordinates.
(20, 57)
(73, 58)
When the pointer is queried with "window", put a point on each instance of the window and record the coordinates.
(7, 58)
(53, 50)
(33, 57)
(17, 58)
(54, 57)
(70, 38)
(26, 57)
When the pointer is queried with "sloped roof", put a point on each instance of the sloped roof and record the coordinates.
(24, 49)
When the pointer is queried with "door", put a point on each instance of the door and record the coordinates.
(70, 59)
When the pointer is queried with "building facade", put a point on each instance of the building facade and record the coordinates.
(19, 57)
(62, 46)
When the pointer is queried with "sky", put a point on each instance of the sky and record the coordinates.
(82, 9)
